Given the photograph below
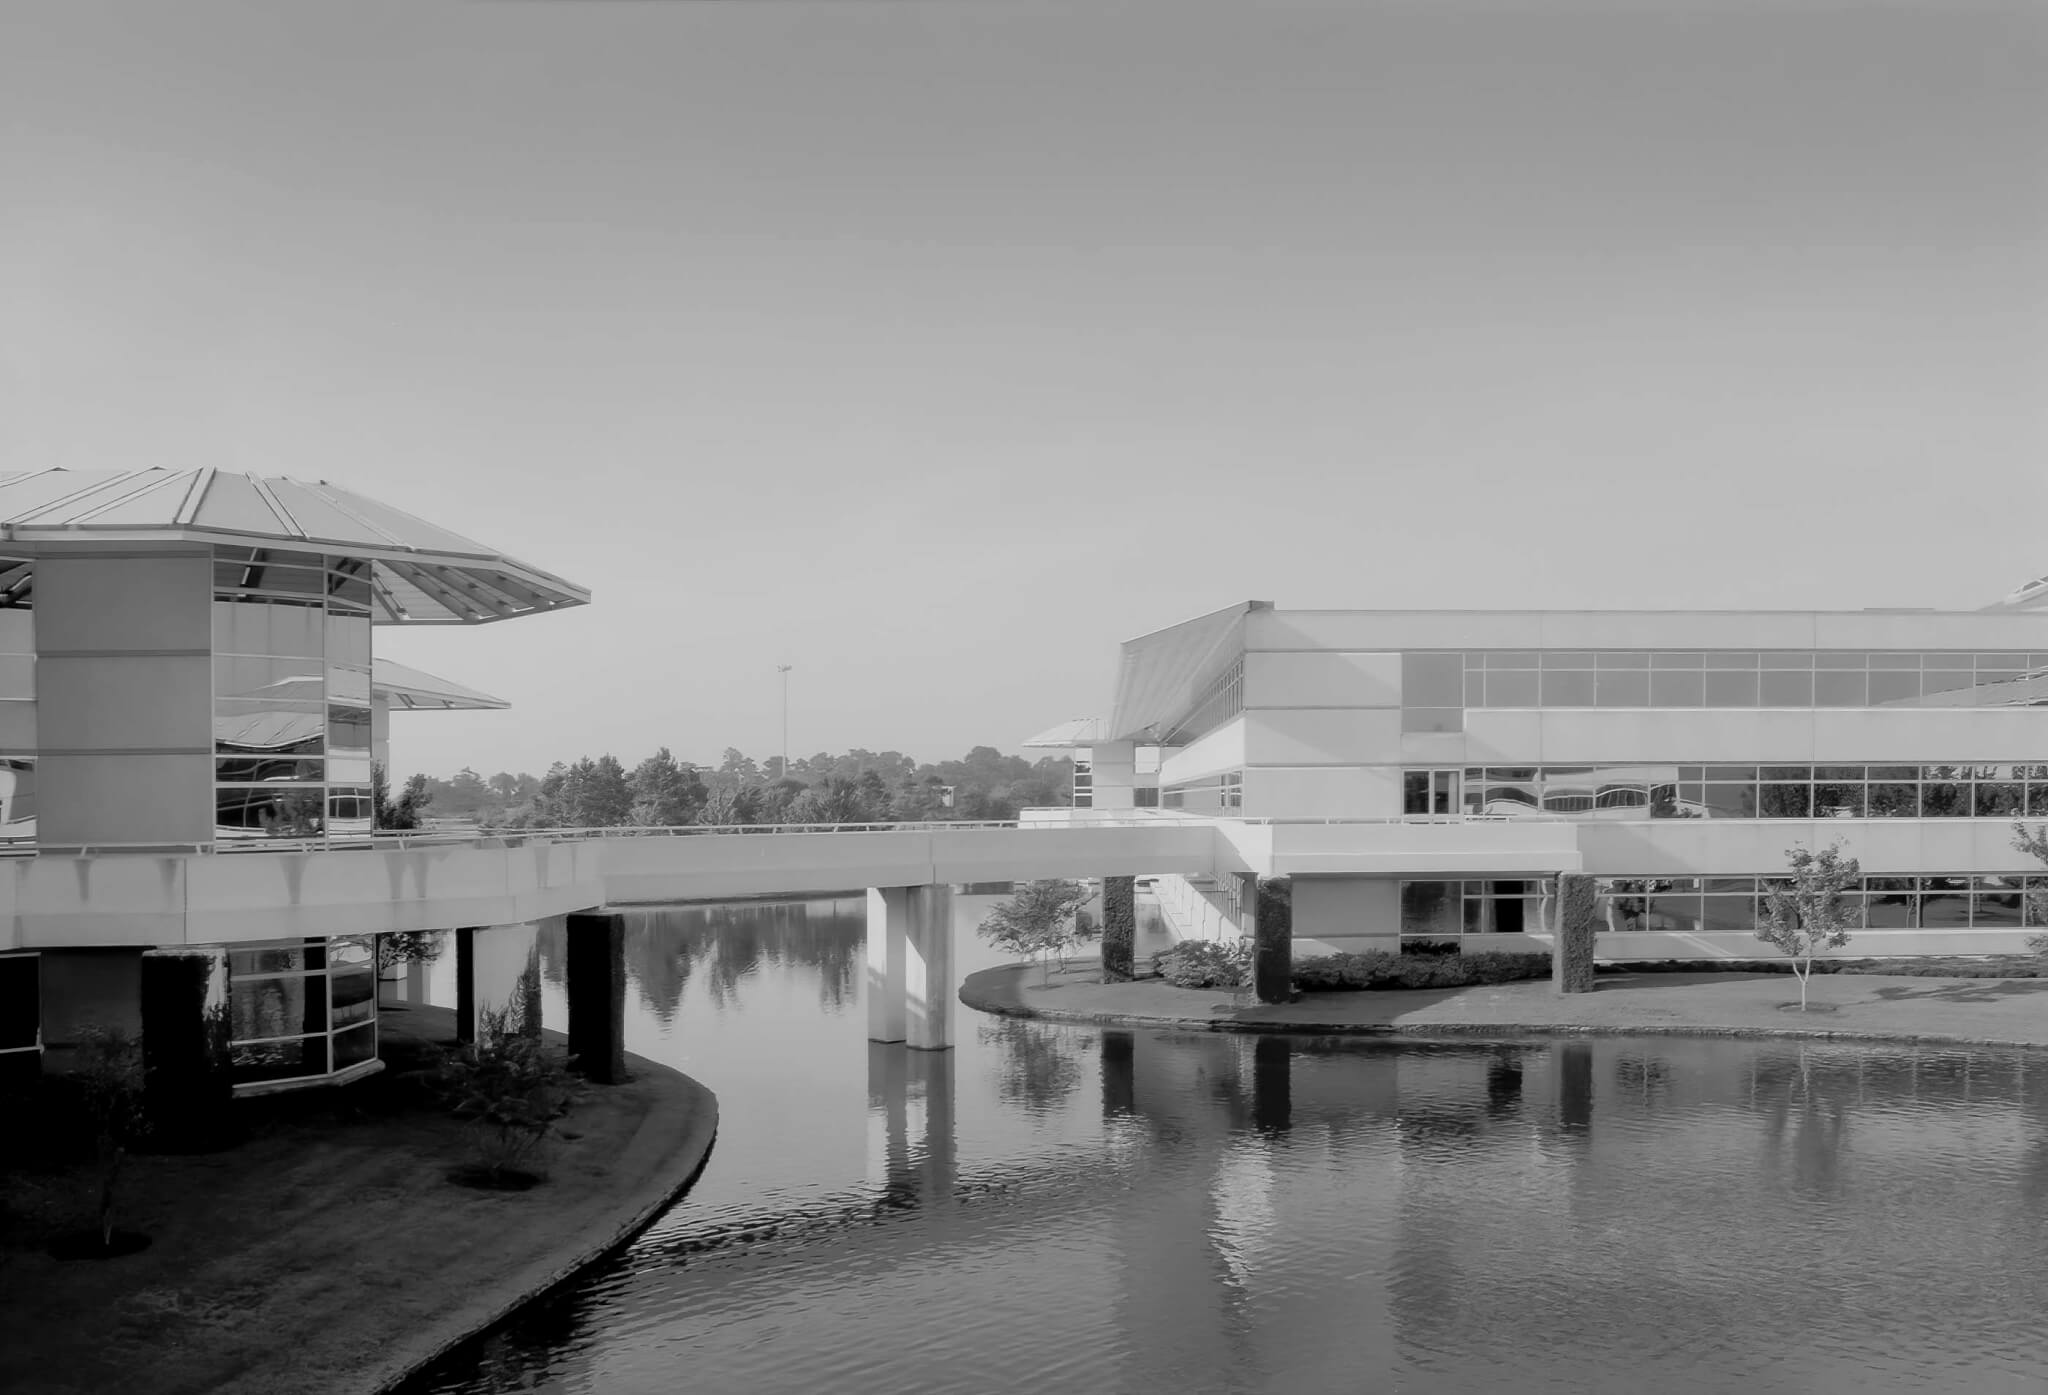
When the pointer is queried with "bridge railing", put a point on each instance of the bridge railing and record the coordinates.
(519, 837)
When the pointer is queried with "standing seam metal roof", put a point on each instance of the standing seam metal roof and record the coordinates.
(423, 574)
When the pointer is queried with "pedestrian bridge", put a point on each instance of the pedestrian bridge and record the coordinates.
(275, 889)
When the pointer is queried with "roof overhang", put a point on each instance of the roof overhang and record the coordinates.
(1162, 673)
(421, 574)
(409, 689)
(1068, 735)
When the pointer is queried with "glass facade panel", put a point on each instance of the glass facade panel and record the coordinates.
(1511, 688)
(1432, 680)
(1731, 689)
(300, 1009)
(1570, 688)
(1431, 909)
(1785, 688)
(1622, 688)
(1686, 688)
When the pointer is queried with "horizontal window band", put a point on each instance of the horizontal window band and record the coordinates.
(48, 751)
(124, 653)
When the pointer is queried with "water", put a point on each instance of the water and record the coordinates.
(1049, 1208)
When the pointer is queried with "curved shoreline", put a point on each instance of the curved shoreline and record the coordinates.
(1660, 1005)
(639, 1207)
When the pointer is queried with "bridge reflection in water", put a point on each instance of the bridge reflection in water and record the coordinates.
(1050, 1208)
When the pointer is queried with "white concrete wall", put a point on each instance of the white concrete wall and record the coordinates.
(125, 698)
(1322, 791)
(1221, 750)
(1114, 765)
(1885, 847)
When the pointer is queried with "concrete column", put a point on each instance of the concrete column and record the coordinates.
(465, 985)
(929, 982)
(910, 977)
(1272, 944)
(888, 912)
(187, 1075)
(597, 995)
(414, 985)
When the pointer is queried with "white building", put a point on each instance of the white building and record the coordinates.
(1428, 774)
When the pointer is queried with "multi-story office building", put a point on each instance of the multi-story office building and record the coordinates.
(189, 711)
(1429, 774)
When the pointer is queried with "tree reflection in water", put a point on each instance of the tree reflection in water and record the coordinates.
(731, 943)
(1038, 1069)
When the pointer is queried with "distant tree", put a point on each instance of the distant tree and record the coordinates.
(604, 797)
(1808, 912)
(665, 793)
(727, 805)
(736, 767)
(405, 812)
(109, 1076)
(465, 795)
(874, 796)
(1041, 918)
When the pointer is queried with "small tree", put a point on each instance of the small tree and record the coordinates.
(1041, 918)
(2034, 843)
(1808, 912)
(110, 1083)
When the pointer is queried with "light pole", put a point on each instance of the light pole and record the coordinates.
(783, 669)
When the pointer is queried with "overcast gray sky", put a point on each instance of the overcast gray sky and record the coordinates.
(936, 348)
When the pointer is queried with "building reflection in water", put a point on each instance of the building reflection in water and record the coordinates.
(1208, 1211)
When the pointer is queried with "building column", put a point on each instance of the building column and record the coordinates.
(187, 1074)
(465, 986)
(910, 979)
(1119, 928)
(1272, 943)
(597, 995)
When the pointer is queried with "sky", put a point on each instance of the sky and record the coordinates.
(936, 347)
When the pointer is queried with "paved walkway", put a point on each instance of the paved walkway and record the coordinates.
(328, 1253)
(1989, 1012)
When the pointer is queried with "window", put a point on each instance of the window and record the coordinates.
(301, 1009)
(1433, 692)
(1714, 678)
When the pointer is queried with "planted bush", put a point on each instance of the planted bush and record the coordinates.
(511, 1087)
(1206, 964)
(1378, 968)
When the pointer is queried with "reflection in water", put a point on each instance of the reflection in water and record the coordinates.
(1048, 1208)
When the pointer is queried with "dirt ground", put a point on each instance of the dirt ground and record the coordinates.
(328, 1252)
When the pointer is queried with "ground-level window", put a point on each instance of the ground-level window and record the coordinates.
(301, 1009)
(1445, 909)
(1692, 905)
(21, 1005)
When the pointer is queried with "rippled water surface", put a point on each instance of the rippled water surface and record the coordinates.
(1050, 1208)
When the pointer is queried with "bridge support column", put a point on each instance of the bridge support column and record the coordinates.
(465, 986)
(597, 995)
(910, 977)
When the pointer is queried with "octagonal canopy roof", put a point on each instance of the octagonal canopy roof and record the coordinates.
(423, 574)
(414, 690)
(1074, 733)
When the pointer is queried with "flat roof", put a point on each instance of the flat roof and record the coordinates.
(422, 574)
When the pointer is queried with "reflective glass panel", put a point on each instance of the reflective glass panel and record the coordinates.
(1832, 689)
(1945, 905)
(354, 1046)
(1430, 908)
(1894, 689)
(268, 811)
(1678, 689)
(348, 639)
(1731, 689)
(1785, 801)
(268, 728)
(1785, 688)
(249, 770)
(1838, 801)
(349, 686)
(1512, 658)
(1944, 800)
(1730, 801)
(1892, 801)
(1742, 662)
(1511, 688)
(1568, 659)
(255, 626)
(1998, 799)
(1622, 688)
(1432, 719)
(279, 1060)
(1624, 658)
(276, 959)
(1568, 689)
(277, 1007)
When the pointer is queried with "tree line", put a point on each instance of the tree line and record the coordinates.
(857, 786)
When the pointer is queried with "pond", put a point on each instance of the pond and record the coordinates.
(1057, 1208)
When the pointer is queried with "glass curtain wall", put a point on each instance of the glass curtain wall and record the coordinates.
(1706, 904)
(2001, 790)
(17, 684)
(1437, 687)
(291, 665)
(1435, 910)
(1214, 794)
(301, 1009)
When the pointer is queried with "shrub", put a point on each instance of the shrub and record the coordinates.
(1119, 928)
(1377, 968)
(1206, 964)
(511, 1087)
